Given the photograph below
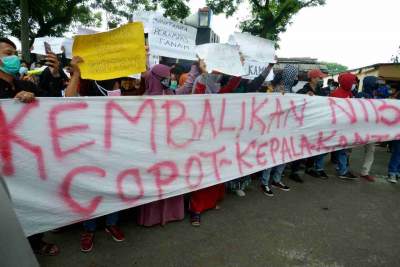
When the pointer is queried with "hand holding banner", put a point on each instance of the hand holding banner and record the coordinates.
(113, 54)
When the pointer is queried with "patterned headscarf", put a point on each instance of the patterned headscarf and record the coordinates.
(289, 75)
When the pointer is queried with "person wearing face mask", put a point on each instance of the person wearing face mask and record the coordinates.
(346, 83)
(283, 84)
(314, 165)
(24, 91)
(23, 70)
(170, 209)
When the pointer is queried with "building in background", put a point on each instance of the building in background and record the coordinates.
(388, 72)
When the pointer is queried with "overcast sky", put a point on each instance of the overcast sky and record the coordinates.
(355, 33)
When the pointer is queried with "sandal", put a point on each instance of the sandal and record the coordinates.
(195, 219)
(47, 249)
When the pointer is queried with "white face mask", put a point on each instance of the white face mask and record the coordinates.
(353, 87)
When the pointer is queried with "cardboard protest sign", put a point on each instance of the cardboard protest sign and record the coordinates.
(68, 160)
(254, 48)
(223, 58)
(54, 42)
(146, 17)
(67, 45)
(112, 54)
(253, 69)
(84, 31)
(172, 39)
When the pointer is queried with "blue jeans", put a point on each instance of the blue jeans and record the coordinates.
(111, 219)
(277, 174)
(319, 162)
(394, 163)
(342, 157)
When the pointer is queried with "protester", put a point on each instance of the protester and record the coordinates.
(289, 79)
(176, 72)
(330, 87)
(24, 91)
(53, 78)
(347, 81)
(133, 86)
(370, 85)
(209, 197)
(314, 165)
(78, 86)
(23, 70)
(248, 86)
(394, 163)
(170, 209)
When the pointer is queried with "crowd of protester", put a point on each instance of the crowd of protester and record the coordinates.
(20, 81)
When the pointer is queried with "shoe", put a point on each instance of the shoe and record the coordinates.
(195, 219)
(295, 177)
(392, 179)
(323, 175)
(348, 176)
(312, 173)
(281, 186)
(115, 233)
(369, 178)
(87, 241)
(267, 191)
(240, 193)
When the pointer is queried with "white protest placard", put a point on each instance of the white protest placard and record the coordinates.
(85, 31)
(66, 160)
(54, 42)
(146, 17)
(254, 48)
(172, 39)
(67, 44)
(253, 69)
(224, 58)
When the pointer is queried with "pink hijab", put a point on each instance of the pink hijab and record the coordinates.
(153, 80)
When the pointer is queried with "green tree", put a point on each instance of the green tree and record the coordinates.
(55, 17)
(396, 58)
(334, 68)
(268, 17)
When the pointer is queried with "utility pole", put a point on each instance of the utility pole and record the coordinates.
(24, 6)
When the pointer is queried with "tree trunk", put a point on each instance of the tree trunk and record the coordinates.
(24, 5)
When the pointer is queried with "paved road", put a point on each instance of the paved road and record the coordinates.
(318, 223)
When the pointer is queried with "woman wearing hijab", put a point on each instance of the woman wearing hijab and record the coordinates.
(283, 84)
(157, 81)
(209, 197)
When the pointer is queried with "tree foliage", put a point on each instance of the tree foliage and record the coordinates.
(396, 57)
(55, 17)
(268, 17)
(334, 68)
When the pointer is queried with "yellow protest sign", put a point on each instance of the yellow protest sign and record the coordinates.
(113, 54)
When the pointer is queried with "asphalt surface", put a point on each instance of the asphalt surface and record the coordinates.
(318, 223)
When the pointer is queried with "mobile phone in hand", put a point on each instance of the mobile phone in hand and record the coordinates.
(47, 48)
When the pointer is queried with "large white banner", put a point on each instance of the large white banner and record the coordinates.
(68, 160)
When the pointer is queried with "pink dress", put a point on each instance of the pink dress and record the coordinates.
(162, 211)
